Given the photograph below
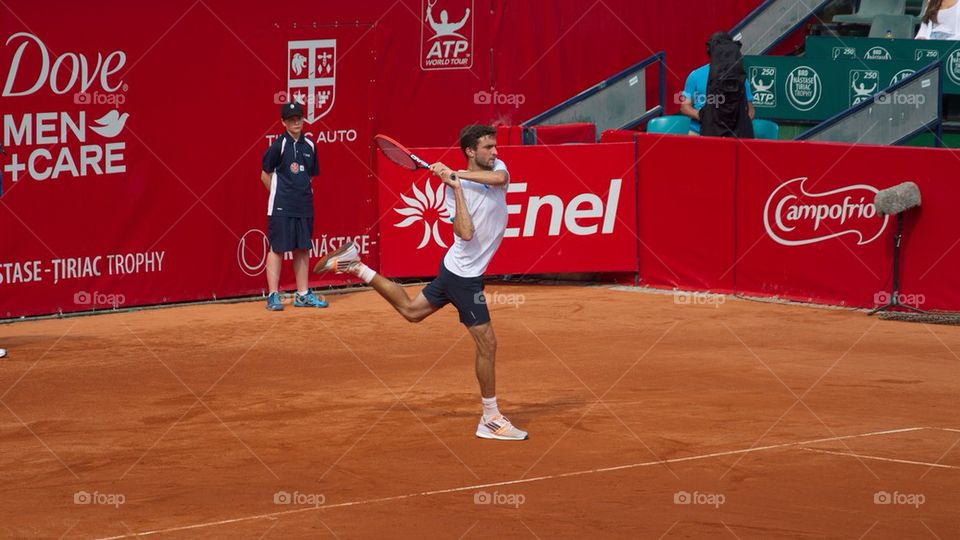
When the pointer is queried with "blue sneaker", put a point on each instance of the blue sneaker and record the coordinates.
(309, 300)
(274, 303)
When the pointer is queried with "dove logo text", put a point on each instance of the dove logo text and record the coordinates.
(33, 66)
(51, 128)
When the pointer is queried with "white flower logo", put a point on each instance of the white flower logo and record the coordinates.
(428, 207)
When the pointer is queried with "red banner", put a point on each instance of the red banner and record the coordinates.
(571, 208)
(580, 132)
(686, 211)
(135, 150)
(135, 136)
(930, 254)
(806, 224)
(122, 188)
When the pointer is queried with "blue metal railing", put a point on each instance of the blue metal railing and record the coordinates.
(757, 43)
(938, 122)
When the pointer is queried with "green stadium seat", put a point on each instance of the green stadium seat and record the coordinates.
(870, 9)
(673, 125)
(899, 26)
(765, 129)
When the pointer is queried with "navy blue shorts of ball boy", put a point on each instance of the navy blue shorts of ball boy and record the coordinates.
(289, 233)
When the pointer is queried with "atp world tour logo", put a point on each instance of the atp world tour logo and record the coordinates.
(804, 88)
(764, 82)
(863, 84)
(446, 34)
(311, 76)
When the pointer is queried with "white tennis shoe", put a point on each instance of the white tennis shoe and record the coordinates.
(340, 260)
(3, 352)
(501, 429)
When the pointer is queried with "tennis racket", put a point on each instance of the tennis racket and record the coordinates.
(399, 154)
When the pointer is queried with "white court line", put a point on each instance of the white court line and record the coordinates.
(891, 460)
(514, 482)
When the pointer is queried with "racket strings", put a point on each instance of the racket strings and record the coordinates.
(402, 157)
(396, 154)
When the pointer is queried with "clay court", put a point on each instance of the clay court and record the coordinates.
(648, 418)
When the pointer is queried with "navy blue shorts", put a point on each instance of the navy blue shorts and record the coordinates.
(466, 294)
(289, 233)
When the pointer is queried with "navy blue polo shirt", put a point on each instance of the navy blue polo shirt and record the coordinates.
(294, 163)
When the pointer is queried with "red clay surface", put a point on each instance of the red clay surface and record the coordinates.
(778, 421)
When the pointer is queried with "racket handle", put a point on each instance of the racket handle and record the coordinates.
(420, 163)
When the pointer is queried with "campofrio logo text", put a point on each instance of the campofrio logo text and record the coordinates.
(795, 216)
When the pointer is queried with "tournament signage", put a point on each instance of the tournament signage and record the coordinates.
(64, 114)
(103, 198)
(814, 89)
(923, 51)
(797, 215)
(763, 79)
(569, 209)
(311, 79)
(446, 34)
(806, 225)
(804, 88)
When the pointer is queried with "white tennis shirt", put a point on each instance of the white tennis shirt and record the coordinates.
(488, 209)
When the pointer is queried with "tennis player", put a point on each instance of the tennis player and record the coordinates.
(476, 198)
